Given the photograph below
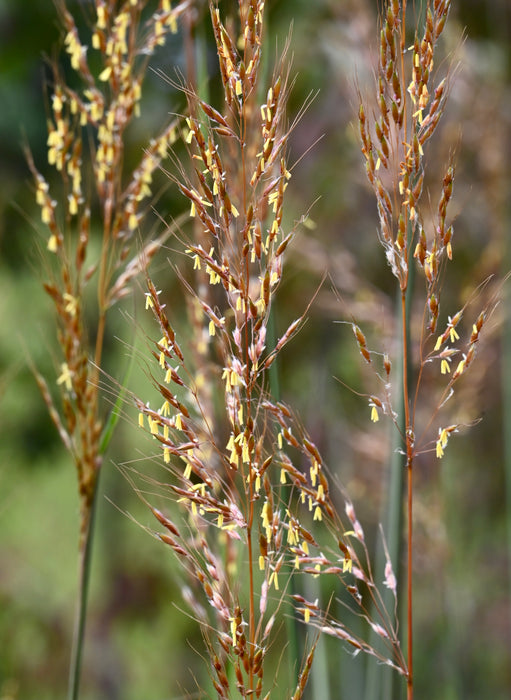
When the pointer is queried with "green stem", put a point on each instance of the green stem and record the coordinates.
(87, 543)
(81, 609)
(292, 631)
(381, 681)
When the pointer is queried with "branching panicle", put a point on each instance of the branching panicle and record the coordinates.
(410, 103)
(248, 486)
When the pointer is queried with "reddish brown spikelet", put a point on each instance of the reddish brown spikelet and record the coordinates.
(362, 343)
(433, 311)
(165, 522)
(304, 676)
(175, 546)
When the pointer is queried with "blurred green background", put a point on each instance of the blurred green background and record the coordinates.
(139, 643)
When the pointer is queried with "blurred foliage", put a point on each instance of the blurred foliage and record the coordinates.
(139, 643)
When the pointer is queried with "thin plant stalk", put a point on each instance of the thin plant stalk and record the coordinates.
(406, 406)
(381, 682)
(84, 573)
(86, 551)
(506, 385)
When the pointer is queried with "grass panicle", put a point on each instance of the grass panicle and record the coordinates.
(88, 116)
(410, 101)
(239, 473)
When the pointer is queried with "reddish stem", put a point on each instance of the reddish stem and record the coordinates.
(409, 690)
(409, 464)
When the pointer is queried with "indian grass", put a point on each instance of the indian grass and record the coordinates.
(231, 467)
(411, 100)
(87, 123)
(250, 511)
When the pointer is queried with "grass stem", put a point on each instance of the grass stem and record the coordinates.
(84, 574)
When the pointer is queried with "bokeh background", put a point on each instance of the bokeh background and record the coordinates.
(140, 644)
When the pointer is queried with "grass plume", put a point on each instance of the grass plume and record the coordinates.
(87, 122)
